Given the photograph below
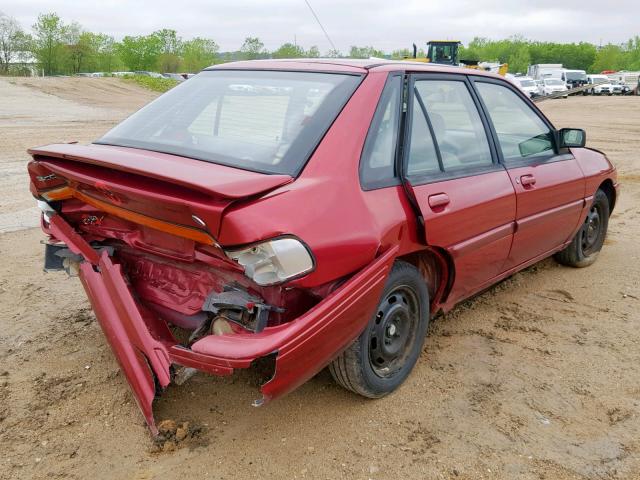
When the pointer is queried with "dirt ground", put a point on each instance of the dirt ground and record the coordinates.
(538, 378)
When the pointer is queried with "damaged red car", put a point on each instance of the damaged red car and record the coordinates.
(303, 214)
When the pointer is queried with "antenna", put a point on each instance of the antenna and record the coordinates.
(320, 23)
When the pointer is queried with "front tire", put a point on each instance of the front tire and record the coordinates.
(587, 243)
(384, 354)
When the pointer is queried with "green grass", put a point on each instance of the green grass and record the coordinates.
(151, 83)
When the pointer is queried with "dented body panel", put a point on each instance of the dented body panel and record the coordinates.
(159, 239)
(146, 350)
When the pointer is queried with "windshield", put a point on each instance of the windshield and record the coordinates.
(265, 121)
(527, 83)
(553, 81)
(576, 76)
(439, 53)
(600, 78)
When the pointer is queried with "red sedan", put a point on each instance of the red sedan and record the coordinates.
(293, 215)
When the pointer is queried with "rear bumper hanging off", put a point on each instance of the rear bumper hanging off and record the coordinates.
(146, 350)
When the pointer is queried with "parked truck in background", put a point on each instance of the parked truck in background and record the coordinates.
(574, 78)
(541, 71)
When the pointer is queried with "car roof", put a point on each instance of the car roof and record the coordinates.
(346, 65)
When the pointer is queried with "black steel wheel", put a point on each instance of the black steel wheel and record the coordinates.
(587, 243)
(385, 353)
(393, 331)
(592, 232)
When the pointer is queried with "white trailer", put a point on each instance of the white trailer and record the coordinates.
(541, 71)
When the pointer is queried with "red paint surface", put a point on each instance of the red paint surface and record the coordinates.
(476, 226)
(479, 228)
(548, 210)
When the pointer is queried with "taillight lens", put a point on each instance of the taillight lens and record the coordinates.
(274, 261)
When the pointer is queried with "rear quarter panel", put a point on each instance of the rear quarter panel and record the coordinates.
(325, 206)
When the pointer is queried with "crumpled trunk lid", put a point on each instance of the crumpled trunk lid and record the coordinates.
(145, 186)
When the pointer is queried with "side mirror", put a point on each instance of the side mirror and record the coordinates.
(572, 137)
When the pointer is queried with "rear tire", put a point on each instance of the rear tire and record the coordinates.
(384, 354)
(587, 243)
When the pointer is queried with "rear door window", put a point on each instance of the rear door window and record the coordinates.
(446, 133)
(423, 158)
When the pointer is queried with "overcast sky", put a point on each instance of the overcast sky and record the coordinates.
(385, 24)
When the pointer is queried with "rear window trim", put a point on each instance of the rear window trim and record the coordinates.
(138, 145)
(366, 185)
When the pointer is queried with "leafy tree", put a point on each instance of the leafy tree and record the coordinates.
(609, 57)
(168, 62)
(105, 57)
(313, 52)
(91, 52)
(199, 53)
(519, 53)
(169, 41)
(364, 52)
(141, 52)
(402, 53)
(289, 50)
(48, 46)
(407, 53)
(12, 41)
(632, 54)
(79, 49)
(170, 47)
(519, 59)
(252, 48)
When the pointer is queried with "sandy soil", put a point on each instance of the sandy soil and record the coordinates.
(37, 111)
(539, 378)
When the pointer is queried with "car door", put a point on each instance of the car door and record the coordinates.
(464, 195)
(549, 184)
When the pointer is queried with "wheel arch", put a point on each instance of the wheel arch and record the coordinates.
(437, 268)
(610, 191)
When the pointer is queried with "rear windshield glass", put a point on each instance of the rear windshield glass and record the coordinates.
(265, 121)
(527, 83)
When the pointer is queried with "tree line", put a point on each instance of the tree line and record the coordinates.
(61, 48)
(519, 53)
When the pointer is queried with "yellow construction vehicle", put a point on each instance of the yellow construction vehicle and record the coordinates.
(445, 52)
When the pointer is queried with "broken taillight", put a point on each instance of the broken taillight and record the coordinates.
(274, 261)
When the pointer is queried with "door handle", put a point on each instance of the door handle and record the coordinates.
(438, 200)
(527, 180)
